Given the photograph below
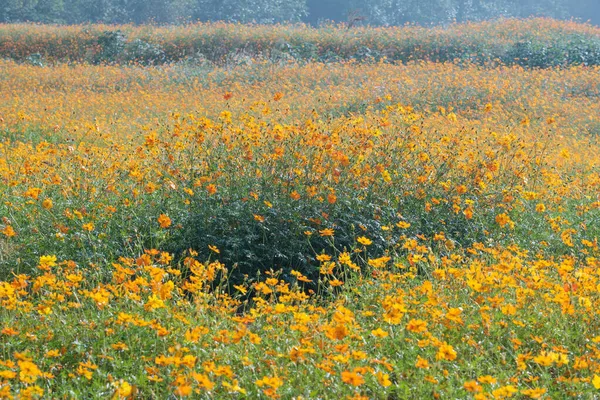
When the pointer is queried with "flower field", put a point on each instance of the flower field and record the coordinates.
(268, 228)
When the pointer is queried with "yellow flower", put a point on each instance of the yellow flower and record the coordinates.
(29, 372)
(487, 379)
(323, 257)
(7, 375)
(403, 225)
(153, 303)
(48, 261)
(545, 359)
(383, 379)
(504, 392)
(364, 241)
(380, 333)
(596, 381)
(124, 390)
(52, 353)
(119, 346)
(203, 381)
(567, 238)
(273, 382)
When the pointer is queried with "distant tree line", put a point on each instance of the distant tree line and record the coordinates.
(373, 12)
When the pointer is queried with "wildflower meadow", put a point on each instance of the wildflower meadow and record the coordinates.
(233, 211)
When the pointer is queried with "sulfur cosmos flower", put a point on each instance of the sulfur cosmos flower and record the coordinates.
(503, 219)
(416, 325)
(421, 363)
(273, 382)
(164, 221)
(446, 352)
(487, 379)
(29, 372)
(9, 331)
(124, 390)
(352, 378)
(331, 198)
(326, 232)
(48, 261)
(364, 241)
(472, 386)
(380, 333)
(534, 393)
(8, 231)
(270, 385)
(47, 204)
(383, 379)
(153, 303)
(403, 225)
(504, 392)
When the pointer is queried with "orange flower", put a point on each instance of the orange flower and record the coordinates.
(422, 363)
(416, 325)
(352, 378)
(164, 221)
(9, 331)
(211, 189)
(446, 352)
(472, 386)
(326, 232)
(503, 220)
(47, 204)
(331, 198)
(8, 231)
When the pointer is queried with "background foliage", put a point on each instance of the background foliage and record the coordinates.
(374, 12)
(536, 42)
